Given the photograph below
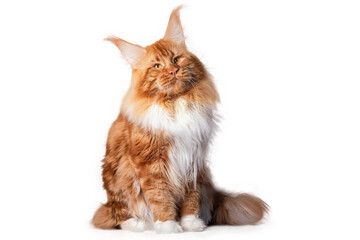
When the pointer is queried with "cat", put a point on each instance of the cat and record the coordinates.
(155, 169)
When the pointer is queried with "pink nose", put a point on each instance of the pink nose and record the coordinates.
(174, 71)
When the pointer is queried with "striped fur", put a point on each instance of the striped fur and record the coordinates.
(155, 169)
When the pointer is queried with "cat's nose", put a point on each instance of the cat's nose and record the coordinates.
(174, 71)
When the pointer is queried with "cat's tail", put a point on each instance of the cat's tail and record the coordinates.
(235, 209)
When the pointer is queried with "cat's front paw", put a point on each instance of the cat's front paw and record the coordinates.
(192, 223)
(169, 226)
(135, 225)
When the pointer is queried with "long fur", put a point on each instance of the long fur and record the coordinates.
(238, 209)
(155, 170)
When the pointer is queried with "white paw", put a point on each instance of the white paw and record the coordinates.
(135, 225)
(169, 226)
(192, 223)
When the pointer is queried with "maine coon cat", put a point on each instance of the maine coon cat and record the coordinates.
(155, 170)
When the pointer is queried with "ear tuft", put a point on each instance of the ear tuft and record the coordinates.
(174, 31)
(131, 52)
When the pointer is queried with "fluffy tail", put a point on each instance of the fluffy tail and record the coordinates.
(236, 209)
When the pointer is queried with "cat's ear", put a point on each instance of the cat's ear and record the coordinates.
(174, 31)
(131, 52)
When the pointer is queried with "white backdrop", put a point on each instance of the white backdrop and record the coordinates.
(288, 75)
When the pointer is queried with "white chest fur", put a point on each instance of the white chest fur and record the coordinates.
(191, 128)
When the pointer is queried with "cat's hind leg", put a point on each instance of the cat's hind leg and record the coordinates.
(117, 214)
(113, 213)
(135, 225)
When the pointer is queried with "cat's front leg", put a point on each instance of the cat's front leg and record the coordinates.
(190, 208)
(160, 199)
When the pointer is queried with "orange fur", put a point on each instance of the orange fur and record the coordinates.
(145, 160)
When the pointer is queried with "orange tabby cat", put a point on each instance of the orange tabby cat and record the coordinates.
(155, 171)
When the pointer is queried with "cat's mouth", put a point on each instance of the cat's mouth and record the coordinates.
(174, 81)
(176, 85)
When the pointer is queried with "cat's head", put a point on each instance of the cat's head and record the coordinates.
(166, 69)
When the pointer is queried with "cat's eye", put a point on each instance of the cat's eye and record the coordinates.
(157, 66)
(176, 60)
